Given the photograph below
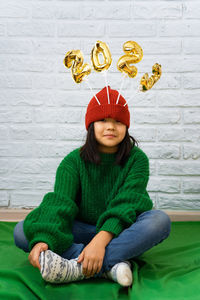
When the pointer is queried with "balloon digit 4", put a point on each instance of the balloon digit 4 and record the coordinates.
(147, 82)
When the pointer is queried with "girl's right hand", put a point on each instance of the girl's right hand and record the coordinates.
(35, 253)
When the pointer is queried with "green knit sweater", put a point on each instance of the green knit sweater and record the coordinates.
(106, 195)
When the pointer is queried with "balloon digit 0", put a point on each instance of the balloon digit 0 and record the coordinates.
(101, 47)
(74, 59)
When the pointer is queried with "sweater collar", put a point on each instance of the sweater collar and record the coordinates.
(107, 157)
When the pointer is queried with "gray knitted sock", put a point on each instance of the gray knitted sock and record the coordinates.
(56, 269)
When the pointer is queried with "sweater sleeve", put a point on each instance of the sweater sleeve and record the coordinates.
(51, 221)
(131, 199)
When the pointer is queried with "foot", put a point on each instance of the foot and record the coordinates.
(120, 273)
(56, 269)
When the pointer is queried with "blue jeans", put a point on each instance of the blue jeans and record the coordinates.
(149, 229)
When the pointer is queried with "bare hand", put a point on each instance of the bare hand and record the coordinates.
(35, 253)
(92, 258)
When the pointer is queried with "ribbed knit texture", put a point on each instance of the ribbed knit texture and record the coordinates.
(106, 195)
(96, 112)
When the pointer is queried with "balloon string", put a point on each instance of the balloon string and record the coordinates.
(123, 77)
(138, 91)
(105, 76)
(86, 80)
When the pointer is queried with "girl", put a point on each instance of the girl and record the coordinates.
(100, 214)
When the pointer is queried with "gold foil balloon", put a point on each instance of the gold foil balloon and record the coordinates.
(147, 82)
(133, 55)
(74, 59)
(101, 48)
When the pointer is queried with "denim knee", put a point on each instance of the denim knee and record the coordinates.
(20, 238)
(161, 222)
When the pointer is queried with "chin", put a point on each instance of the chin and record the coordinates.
(110, 145)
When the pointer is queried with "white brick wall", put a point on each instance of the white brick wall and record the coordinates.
(42, 109)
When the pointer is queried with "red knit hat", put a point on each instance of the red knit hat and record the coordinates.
(107, 108)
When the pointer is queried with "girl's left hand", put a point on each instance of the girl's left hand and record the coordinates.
(92, 258)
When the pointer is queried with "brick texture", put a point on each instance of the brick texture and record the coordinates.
(42, 109)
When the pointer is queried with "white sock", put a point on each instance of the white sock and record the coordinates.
(56, 269)
(120, 273)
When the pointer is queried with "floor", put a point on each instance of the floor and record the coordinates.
(170, 270)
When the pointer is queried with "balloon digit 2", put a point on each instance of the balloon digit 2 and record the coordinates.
(133, 55)
(74, 60)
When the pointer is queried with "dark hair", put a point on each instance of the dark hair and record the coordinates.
(89, 151)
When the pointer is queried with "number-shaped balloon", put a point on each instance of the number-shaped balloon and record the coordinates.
(133, 55)
(101, 47)
(147, 82)
(74, 59)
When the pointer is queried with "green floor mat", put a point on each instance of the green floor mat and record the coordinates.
(170, 270)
